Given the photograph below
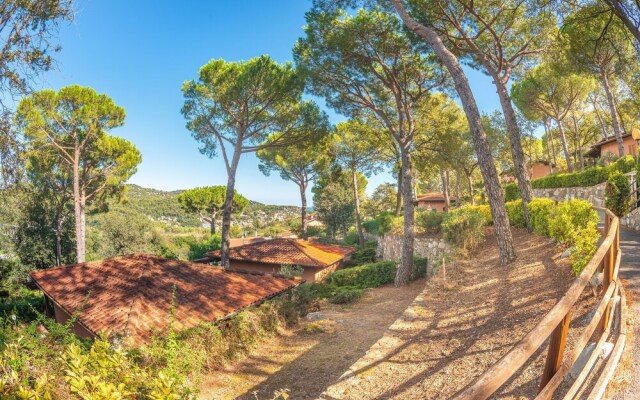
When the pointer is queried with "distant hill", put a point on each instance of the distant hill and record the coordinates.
(164, 206)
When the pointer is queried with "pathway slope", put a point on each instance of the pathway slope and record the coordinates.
(626, 383)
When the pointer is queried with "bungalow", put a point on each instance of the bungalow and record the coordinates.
(313, 221)
(610, 145)
(537, 169)
(316, 259)
(431, 201)
(134, 296)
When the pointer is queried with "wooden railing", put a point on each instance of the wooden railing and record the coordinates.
(555, 327)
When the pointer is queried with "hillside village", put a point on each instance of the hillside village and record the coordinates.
(450, 234)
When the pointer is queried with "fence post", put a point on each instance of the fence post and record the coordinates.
(555, 354)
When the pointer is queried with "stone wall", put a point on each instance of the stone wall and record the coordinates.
(593, 194)
(432, 248)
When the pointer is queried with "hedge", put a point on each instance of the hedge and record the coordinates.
(374, 274)
(588, 177)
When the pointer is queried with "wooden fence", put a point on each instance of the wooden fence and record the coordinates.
(555, 327)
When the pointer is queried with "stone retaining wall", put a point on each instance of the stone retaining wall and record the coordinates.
(593, 194)
(432, 248)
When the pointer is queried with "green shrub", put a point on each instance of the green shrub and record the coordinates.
(618, 194)
(430, 221)
(364, 276)
(516, 213)
(383, 223)
(584, 242)
(588, 177)
(419, 269)
(569, 216)
(539, 211)
(363, 256)
(464, 227)
(511, 192)
(346, 295)
(352, 238)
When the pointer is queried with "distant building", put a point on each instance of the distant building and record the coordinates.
(316, 259)
(610, 145)
(537, 169)
(431, 201)
(136, 295)
(313, 221)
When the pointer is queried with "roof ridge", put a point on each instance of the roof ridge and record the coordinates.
(136, 300)
(299, 247)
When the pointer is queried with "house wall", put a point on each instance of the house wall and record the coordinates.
(538, 170)
(432, 205)
(630, 147)
(62, 317)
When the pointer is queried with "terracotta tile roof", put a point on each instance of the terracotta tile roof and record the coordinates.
(289, 251)
(240, 241)
(432, 196)
(132, 295)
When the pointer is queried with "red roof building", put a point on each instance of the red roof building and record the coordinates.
(316, 259)
(431, 201)
(134, 295)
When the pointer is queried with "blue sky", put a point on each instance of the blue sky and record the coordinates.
(139, 53)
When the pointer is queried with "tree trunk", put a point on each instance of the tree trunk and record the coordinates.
(620, 10)
(58, 233)
(470, 183)
(457, 187)
(603, 127)
(226, 212)
(403, 274)
(480, 142)
(550, 141)
(303, 211)
(79, 210)
(612, 109)
(565, 147)
(356, 199)
(576, 130)
(399, 195)
(444, 177)
(519, 161)
(213, 223)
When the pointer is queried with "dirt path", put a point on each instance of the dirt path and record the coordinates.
(456, 330)
(307, 360)
(626, 382)
(452, 332)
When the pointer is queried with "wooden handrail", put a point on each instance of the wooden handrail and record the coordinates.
(555, 325)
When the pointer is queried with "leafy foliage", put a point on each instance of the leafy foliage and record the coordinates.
(346, 295)
(464, 227)
(618, 194)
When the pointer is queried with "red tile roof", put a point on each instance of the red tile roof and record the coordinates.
(132, 295)
(289, 251)
(433, 196)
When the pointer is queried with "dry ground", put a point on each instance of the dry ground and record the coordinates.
(452, 332)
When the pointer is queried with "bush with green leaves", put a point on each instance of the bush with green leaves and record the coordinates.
(516, 213)
(464, 227)
(618, 194)
(366, 255)
(384, 223)
(539, 211)
(587, 177)
(364, 276)
(346, 295)
(511, 192)
(430, 221)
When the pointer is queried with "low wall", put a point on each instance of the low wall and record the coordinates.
(390, 247)
(593, 194)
